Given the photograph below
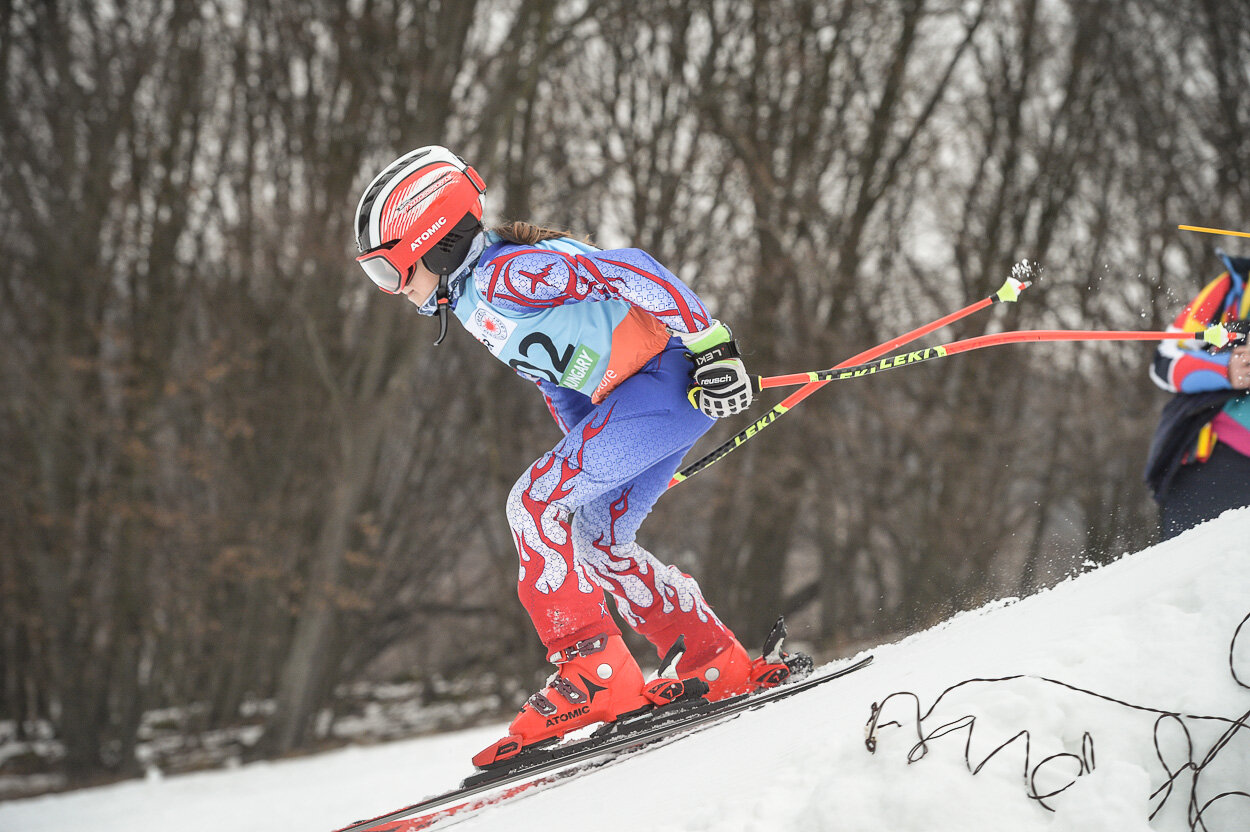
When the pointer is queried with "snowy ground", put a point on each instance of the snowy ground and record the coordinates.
(1155, 629)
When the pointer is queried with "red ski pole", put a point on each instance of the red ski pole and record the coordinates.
(1217, 335)
(1007, 293)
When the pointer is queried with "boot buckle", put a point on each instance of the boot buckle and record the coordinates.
(585, 647)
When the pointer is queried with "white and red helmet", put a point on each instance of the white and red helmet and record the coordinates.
(425, 206)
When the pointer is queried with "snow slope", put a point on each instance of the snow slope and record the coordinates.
(1156, 629)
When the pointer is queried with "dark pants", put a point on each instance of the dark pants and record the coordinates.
(1202, 491)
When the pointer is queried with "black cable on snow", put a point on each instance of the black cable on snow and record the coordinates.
(1084, 761)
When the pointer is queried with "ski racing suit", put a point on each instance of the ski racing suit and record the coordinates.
(595, 330)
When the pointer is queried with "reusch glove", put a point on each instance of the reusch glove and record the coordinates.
(722, 386)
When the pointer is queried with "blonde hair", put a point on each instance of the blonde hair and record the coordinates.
(527, 234)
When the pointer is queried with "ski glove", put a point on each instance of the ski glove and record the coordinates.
(722, 386)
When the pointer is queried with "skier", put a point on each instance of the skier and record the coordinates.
(1199, 462)
(634, 370)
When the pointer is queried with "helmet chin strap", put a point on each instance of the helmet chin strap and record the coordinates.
(442, 297)
(439, 302)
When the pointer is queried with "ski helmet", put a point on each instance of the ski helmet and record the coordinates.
(425, 206)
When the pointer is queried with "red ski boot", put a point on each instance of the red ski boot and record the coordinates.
(732, 672)
(597, 680)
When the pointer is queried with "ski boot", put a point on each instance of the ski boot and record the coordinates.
(597, 680)
(733, 672)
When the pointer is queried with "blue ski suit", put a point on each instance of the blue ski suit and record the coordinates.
(596, 332)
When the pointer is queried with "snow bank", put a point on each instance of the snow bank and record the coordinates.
(1154, 630)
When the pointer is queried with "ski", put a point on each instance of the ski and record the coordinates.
(542, 768)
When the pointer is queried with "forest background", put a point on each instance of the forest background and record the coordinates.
(236, 480)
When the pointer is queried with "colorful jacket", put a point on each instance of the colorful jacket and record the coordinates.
(573, 318)
(1191, 368)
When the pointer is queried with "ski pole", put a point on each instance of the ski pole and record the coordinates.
(1007, 293)
(1221, 231)
(1217, 335)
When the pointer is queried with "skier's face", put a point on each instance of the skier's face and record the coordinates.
(422, 284)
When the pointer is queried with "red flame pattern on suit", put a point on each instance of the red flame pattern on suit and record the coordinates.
(561, 608)
(569, 558)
